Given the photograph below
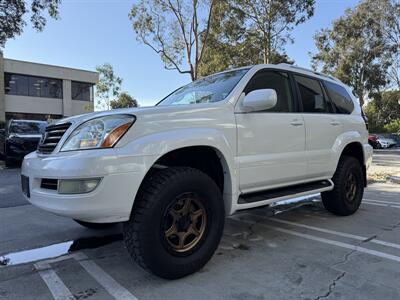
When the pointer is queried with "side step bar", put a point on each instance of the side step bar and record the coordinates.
(270, 196)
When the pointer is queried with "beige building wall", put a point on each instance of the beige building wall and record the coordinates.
(2, 100)
(36, 105)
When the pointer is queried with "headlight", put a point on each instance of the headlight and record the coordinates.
(102, 132)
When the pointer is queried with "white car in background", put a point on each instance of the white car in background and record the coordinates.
(235, 140)
(386, 142)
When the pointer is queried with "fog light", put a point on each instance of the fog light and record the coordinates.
(77, 186)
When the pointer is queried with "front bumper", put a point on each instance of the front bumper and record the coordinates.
(110, 201)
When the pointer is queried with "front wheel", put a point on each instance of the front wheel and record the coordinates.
(345, 198)
(176, 222)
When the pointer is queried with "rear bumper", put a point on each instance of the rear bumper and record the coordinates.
(110, 201)
(368, 151)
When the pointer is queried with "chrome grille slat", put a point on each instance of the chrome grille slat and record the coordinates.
(52, 136)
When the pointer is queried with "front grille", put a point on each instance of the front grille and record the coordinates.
(50, 184)
(52, 136)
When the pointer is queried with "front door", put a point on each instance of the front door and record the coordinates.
(271, 143)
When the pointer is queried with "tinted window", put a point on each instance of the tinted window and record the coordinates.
(34, 86)
(279, 81)
(340, 98)
(311, 95)
(24, 127)
(81, 91)
(16, 84)
(212, 88)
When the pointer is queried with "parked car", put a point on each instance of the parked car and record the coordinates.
(2, 139)
(373, 141)
(235, 140)
(20, 138)
(386, 142)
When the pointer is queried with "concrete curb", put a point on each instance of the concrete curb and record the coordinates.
(393, 179)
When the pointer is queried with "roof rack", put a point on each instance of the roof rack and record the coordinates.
(308, 70)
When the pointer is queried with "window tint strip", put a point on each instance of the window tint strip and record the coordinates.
(35, 86)
(340, 98)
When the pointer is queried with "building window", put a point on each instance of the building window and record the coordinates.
(26, 85)
(81, 91)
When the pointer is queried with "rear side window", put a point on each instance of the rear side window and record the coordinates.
(279, 81)
(312, 96)
(340, 98)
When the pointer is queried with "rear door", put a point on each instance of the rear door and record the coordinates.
(271, 143)
(322, 126)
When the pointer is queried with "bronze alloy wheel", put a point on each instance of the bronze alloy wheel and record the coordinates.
(184, 223)
(351, 187)
(176, 223)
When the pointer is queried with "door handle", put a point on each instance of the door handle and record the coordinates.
(296, 122)
(335, 123)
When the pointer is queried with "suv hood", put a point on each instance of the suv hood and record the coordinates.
(85, 117)
(137, 111)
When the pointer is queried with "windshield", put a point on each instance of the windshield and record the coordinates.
(19, 127)
(212, 88)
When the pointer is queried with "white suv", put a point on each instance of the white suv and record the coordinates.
(230, 141)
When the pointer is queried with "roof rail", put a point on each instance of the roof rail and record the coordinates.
(310, 71)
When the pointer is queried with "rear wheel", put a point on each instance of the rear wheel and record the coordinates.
(176, 222)
(95, 225)
(345, 198)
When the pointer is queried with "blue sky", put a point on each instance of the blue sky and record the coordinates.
(91, 32)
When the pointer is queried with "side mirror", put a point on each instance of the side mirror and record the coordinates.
(259, 100)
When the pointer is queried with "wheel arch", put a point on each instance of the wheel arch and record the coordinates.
(206, 158)
(356, 150)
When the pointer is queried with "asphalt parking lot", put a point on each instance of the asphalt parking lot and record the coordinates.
(293, 250)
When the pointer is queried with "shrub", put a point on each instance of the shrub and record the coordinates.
(393, 126)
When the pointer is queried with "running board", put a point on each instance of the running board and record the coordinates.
(270, 196)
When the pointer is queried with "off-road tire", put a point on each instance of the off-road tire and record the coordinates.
(97, 226)
(144, 235)
(337, 201)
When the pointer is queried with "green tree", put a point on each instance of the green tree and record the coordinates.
(388, 111)
(269, 23)
(175, 30)
(393, 127)
(356, 48)
(108, 86)
(392, 35)
(12, 14)
(235, 38)
(124, 101)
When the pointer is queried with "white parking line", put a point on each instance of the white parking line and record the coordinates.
(54, 283)
(379, 201)
(328, 241)
(380, 204)
(61, 292)
(338, 233)
(109, 284)
(338, 244)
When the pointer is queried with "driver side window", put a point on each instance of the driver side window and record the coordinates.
(279, 81)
